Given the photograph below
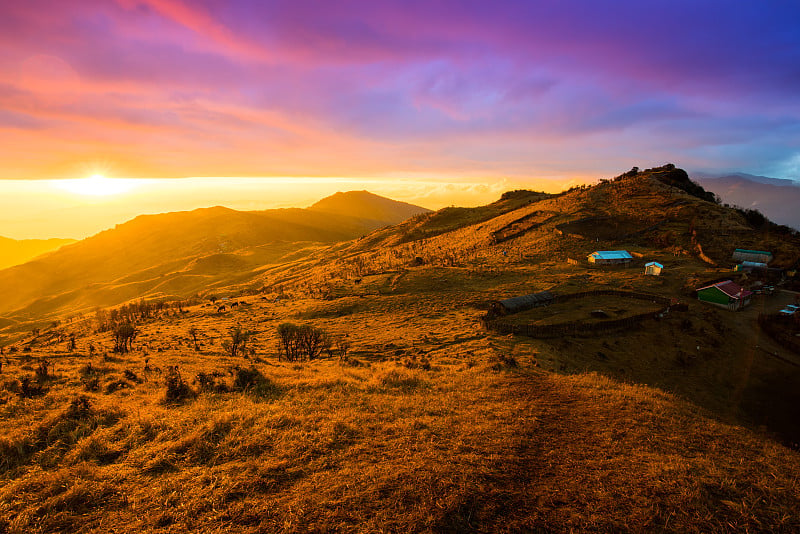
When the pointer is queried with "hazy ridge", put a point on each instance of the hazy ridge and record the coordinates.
(15, 252)
(776, 198)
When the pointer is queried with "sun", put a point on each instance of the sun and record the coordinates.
(96, 185)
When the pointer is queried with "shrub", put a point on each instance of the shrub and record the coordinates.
(27, 389)
(116, 385)
(177, 389)
(306, 342)
(43, 371)
(400, 379)
(505, 362)
(208, 382)
(91, 383)
(237, 342)
(79, 407)
(253, 381)
(124, 335)
(130, 375)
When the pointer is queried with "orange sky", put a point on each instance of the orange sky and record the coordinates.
(56, 208)
(435, 103)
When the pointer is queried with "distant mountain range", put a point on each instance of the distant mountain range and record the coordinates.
(181, 253)
(776, 198)
(14, 252)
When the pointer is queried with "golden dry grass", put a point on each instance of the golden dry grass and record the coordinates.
(331, 447)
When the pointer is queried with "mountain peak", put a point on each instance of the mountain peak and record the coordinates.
(366, 205)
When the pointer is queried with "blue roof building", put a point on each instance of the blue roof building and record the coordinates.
(610, 257)
(653, 267)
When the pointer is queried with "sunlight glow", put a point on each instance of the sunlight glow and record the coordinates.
(96, 185)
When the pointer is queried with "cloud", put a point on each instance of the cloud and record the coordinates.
(259, 87)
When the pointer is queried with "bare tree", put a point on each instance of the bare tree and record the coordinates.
(313, 341)
(287, 341)
(193, 332)
(342, 345)
(124, 335)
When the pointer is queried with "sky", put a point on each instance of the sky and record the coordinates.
(388, 93)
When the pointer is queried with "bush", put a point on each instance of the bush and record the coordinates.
(124, 335)
(237, 342)
(118, 384)
(79, 408)
(177, 389)
(209, 382)
(306, 342)
(27, 389)
(399, 379)
(43, 371)
(91, 383)
(505, 362)
(253, 381)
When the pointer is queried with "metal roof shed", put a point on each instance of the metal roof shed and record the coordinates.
(522, 303)
(654, 268)
(610, 256)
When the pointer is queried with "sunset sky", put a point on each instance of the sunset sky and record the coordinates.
(411, 98)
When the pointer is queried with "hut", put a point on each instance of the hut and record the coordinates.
(726, 294)
(653, 268)
(610, 257)
(759, 256)
(518, 304)
(750, 266)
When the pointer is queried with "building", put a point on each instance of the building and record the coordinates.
(610, 257)
(725, 294)
(759, 256)
(525, 302)
(750, 266)
(653, 268)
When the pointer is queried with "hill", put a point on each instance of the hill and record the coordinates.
(413, 416)
(367, 205)
(777, 199)
(176, 254)
(15, 252)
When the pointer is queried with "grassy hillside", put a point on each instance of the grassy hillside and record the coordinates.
(176, 254)
(15, 252)
(427, 425)
(417, 419)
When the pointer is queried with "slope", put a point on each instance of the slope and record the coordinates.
(15, 252)
(169, 254)
(718, 359)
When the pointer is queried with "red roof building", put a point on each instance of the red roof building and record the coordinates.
(727, 294)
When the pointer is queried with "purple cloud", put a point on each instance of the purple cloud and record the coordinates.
(410, 86)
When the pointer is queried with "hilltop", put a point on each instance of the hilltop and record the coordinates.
(417, 418)
(17, 251)
(366, 205)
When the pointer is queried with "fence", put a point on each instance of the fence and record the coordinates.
(519, 227)
(575, 328)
